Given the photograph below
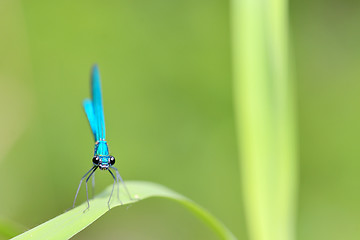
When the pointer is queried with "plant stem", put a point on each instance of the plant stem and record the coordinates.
(264, 106)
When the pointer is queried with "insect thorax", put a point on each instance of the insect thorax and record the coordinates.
(101, 148)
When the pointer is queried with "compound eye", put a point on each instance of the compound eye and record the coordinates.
(95, 160)
(112, 160)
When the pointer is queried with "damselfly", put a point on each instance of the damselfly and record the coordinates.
(102, 159)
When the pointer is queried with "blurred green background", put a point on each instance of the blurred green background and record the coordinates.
(167, 89)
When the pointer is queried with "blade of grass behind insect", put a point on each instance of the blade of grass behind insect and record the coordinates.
(264, 105)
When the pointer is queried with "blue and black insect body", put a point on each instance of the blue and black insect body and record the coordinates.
(102, 159)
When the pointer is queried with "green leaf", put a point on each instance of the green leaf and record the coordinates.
(70, 223)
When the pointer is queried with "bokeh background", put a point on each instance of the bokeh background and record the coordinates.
(167, 90)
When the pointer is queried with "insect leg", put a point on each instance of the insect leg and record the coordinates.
(77, 192)
(93, 186)
(87, 194)
(122, 182)
(112, 188)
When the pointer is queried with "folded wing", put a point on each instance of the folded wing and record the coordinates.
(94, 107)
(89, 110)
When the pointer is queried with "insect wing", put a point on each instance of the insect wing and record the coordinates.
(89, 110)
(97, 103)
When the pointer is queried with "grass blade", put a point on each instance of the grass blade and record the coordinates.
(68, 224)
(264, 105)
